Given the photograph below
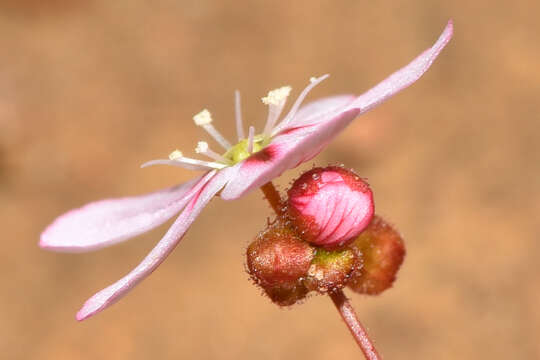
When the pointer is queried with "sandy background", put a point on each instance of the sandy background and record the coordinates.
(91, 89)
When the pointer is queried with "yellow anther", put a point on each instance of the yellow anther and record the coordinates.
(203, 118)
(277, 96)
(176, 154)
(202, 147)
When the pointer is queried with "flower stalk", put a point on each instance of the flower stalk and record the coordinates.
(348, 315)
(274, 198)
(341, 302)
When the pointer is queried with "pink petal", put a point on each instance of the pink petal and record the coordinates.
(204, 191)
(108, 222)
(305, 136)
(286, 151)
(320, 109)
(404, 76)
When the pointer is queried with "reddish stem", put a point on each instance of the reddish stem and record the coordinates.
(348, 315)
(343, 306)
(273, 197)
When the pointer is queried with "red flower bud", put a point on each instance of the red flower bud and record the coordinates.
(383, 251)
(286, 295)
(278, 261)
(330, 206)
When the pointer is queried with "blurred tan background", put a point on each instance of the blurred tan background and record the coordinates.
(89, 90)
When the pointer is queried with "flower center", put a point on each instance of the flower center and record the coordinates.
(240, 151)
(247, 145)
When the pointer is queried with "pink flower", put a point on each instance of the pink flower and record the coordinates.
(252, 162)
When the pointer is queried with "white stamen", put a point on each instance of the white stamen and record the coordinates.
(251, 137)
(203, 148)
(238, 114)
(204, 119)
(276, 96)
(176, 154)
(186, 163)
(313, 82)
(276, 101)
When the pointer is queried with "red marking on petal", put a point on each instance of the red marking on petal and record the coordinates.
(265, 155)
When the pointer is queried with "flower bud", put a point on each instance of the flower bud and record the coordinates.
(278, 261)
(330, 270)
(286, 295)
(383, 251)
(330, 206)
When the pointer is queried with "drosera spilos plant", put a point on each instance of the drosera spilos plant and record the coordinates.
(253, 161)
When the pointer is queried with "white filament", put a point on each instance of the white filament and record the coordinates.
(203, 148)
(238, 115)
(251, 137)
(204, 119)
(186, 163)
(313, 82)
